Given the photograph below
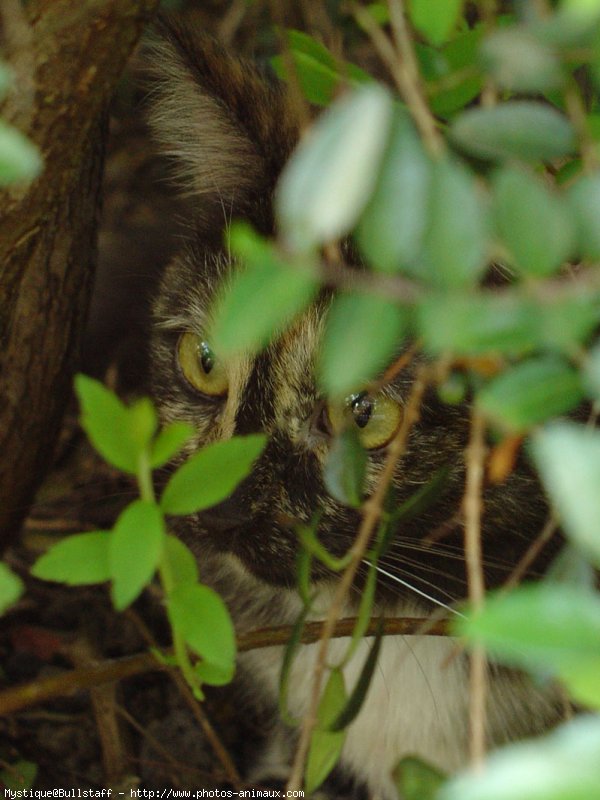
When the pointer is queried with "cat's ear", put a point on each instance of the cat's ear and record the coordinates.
(228, 129)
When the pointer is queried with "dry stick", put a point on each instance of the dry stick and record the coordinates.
(36, 692)
(532, 552)
(210, 733)
(475, 456)
(371, 512)
(408, 79)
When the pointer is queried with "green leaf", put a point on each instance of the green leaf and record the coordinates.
(107, 423)
(582, 680)
(435, 19)
(77, 560)
(563, 765)
(567, 456)
(363, 333)
(584, 200)
(318, 71)
(6, 79)
(520, 129)
(325, 746)
(347, 713)
(530, 393)
(263, 298)
(202, 619)
(391, 228)
(135, 549)
(20, 159)
(330, 177)
(591, 374)
(143, 422)
(416, 780)
(211, 475)
(11, 587)
(287, 662)
(524, 206)
(517, 60)
(564, 323)
(455, 238)
(182, 566)
(545, 627)
(169, 442)
(344, 471)
(472, 324)
(213, 674)
(311, 544)
(18, 776)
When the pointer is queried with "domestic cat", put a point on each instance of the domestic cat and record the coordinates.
(229, 131)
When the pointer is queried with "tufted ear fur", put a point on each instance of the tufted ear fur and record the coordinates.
(228, 129)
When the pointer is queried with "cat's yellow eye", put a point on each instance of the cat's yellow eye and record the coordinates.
(377, 417)
(201, 369)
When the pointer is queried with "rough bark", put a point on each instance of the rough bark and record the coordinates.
(67, 56)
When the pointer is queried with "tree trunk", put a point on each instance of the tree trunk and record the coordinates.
(67, 56)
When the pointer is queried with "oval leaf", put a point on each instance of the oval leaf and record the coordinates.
(567, 456)
(76, 560)
(135, 549)
(181, 564)
(514, 129)
(524, 206)
(435, 19)
(202, 619)
(363, 333)
(11, 587)
(584, 199)
(169, 442)
(20, 159)
(326, 746)
(211, 475)
(330, 177)
(262, 299)
(530, 393)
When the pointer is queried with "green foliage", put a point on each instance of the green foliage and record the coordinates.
(416, 780)
(18, 775)
(138, 546)
(11, 587)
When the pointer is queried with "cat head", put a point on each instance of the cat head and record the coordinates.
(229, 131)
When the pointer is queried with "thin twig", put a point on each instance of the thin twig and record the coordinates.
(38, 691)
(371, 511)
(475, 457)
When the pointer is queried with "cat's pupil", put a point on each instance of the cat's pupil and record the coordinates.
(362, 409)
(206, 357)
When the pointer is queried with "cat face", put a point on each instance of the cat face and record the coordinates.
(230, 133)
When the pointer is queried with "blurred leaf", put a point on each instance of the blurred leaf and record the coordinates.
(591, 374)
(107, 423)
(391, 229)
(330, 177)
(520, 62)
(582, 680)
(325, 746)
(452, 73)
(77, 560)
(213, 674)
(435, 19)
(564, 323)
(348, 712)
(17, 776)
(6, 78)
(210, 475)
(584, 199)
(563, 765)
(524, 206)
(169, 442)
(143, 422)
(134, 551)
(319, 72)
(416, 780)
(311, 544)
(202, 619)
(531, 392)
(567, 456)
(455, 238)
(262, 298)
(20, 159)
(363, 332)
(11, 587)
(182, 565)
(344, 471)
(468, 324)
(291, 648)
(520, 129)
(544, 627)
